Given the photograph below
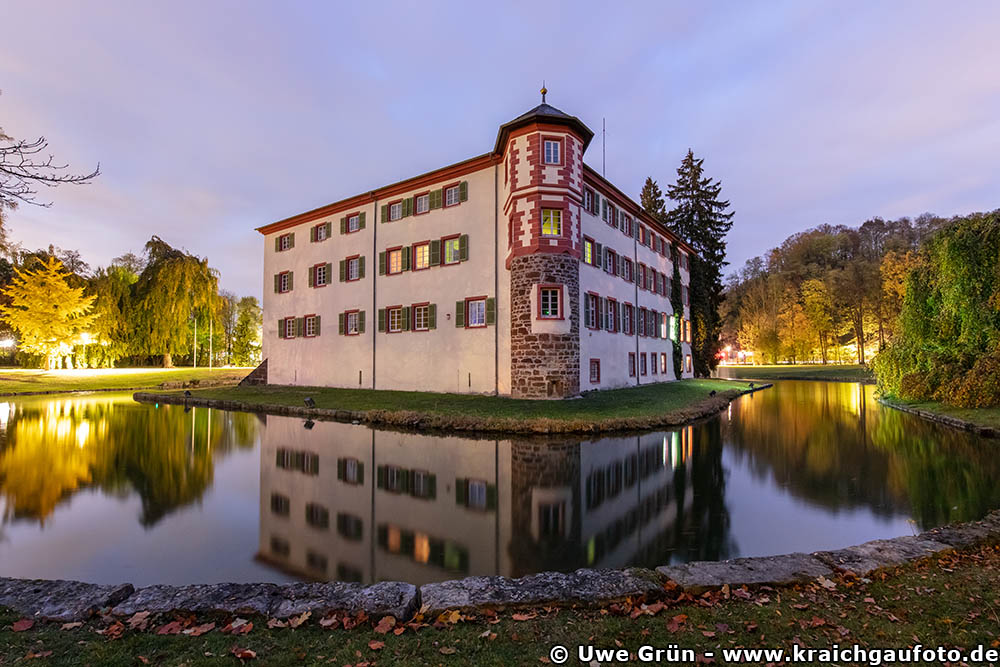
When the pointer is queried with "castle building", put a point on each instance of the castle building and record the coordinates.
(520, 272)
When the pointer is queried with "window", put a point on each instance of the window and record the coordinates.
(452, 196)
(631, 364)
(311, 325)
(423, 484)
(642, 235)
(626, 225)
(628, 319)
(351, 471)
(285, 242)
(319, 232)
(652, 363)
(280, 546)
(351, 323)
(354, 223)
(475, 315)
(350, 526)
(687, 329)
(552, 520)
(663, 325)
(353, 269)
(611, 261)
(395, 317)
(642, 363)
(627, 270)
(656, 281)
(477, 494)
(285, 282)
(316, 562)
(641, 276)
(396, 211)
(684, 295)
(317, 516)
(613, 316)
(552, 151)
(423, 203)
(280, 505)
(641, 326)
(548, 302)
(289, 327)
(595, 371)
(551, 222)
(452, 250)
(320, 275)
(421, 256)
(588, 251)
(590, 311)
(421, 317)
(649, 279)
(395, 261)
(687, 362)
(589, 201)
(663, 362)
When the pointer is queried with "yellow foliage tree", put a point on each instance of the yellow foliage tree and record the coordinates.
(48, 313)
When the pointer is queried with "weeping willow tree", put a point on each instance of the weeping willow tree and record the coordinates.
(174, 287)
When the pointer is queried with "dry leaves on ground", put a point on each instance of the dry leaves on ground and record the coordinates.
(22, 625)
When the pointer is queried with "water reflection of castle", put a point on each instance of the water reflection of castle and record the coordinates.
(345, 502)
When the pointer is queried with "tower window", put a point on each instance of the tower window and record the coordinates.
(551, 222)
(552, 155)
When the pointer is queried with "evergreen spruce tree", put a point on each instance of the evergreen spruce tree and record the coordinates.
(651, 200)
(703, 219)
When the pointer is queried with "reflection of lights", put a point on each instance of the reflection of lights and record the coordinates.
(4, 414)
(395, 540)
(421, 548)
(82, 431)
(6, 343)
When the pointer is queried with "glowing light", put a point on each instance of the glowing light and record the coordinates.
(7, 343)
(82, 431)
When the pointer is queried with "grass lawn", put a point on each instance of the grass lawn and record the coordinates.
(951, 602)
(25, 380)
(633, 402)
(981, 416)
(843, 372)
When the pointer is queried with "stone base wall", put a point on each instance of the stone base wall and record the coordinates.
(257, 376)
(544, 365)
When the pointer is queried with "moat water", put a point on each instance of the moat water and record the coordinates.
(102, 489)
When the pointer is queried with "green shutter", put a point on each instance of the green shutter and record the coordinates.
(405, 258)
(462, 492)
(340, 323)
(381, 263)
(491, 496)
(281, 328)
(341, 464)
(404, 478)
(460, 313)
(463, 247)
(381, 478)
(381, 319)
(291, 240)
(343, 225)
(604, 209)
(432, 487)
(598, 252)
(361, 322)
(318, 320)
(361, 266)
(406, 317)
(385, 213)
(432, 316)
(343, 270)
(277, 283)
(329, 270)
(289, 281)
(312, 276)
(491, 310)
(463, 191)
(300, 326)
(407, 207)
(435, 199)
(329, 229)
(435, 253)
(312, 234)
(277, 243)
(361, 472)
(361, 220)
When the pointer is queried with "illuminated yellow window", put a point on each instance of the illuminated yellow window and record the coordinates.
(588, 251)
(421, 548)
(551, 222)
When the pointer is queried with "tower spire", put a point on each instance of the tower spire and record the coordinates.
(543, 91)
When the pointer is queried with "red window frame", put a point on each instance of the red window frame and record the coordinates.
(428, 194)
(595, 363)
(590, 296)
(563, 219)
(592, 209)
(283, 236)
(347, 268)
(663, 363)
(413, 315)
(616, 319)
(413, 255)
(347, 224)
(282, 291)
(388, 262)
(631, 364)
(652, 364)
(586, 240)
(643, 366)
(305, 326)
(562, 155)
(538, 299)
(629, 316)
(444, 253)
(629, 270)
(444, 194)
(640, 324)
(626, 226)
(642, 276)
(347, 313)
(388, 327)
(613, 256)
(313, 268)
(468, 300)
(687, 363)
(284, 323)
(389, 210)
(312, 235)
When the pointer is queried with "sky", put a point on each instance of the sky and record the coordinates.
(210, 119)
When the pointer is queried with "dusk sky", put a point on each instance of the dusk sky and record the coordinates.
(212, 118)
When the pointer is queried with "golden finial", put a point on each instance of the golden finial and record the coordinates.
(543, 91)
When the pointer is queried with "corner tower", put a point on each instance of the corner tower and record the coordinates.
(542, 160)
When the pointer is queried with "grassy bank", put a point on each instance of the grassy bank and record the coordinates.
(950, 602)
(647, 406)
(982, 417)
(829, 372)
(28, 381)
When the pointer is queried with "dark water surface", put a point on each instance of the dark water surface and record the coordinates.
(102, 489)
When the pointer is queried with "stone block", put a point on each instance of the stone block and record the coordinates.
(387, 598)
(59, 600)
(866, 558)
(781, 570)
(228, 598)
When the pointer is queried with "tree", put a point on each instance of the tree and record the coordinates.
(651, 200)
(172, 288)
(819, 313)
(47, 312)
(131, 262)
(702, 219)
(113, 329)
(228, 313)
(247, 334)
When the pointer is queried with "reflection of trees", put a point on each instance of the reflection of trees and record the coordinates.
(831, 444)
(703, 528)
(54, 448)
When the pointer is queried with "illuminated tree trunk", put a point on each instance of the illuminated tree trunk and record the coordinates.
(167, 361)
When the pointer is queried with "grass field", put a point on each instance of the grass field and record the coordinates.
(23, 380)
(981, 416)
(835, 372)
(950, 602)
(633, 402)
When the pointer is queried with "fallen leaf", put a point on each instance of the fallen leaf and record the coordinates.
(243, 653)
(296, 621)
(172, 628)
(275, 623)
(488, 635)
(113, 631)
(139, 620)
(446, 650)
(524, 617)
(376, 645)
(199, 630)
(239, 626)
(143, 659)
(40, 654)
(708, 633)
(826, 583)
(22, 625)
(399, 630)
(801, 605)
(387, 623)
(71, 626)
(817, 622)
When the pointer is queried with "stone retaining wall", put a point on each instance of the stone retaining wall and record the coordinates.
(73, 600)
(955, 422)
